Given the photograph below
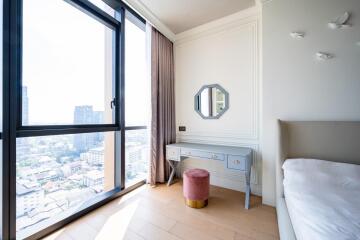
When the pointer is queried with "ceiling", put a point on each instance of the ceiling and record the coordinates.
(182, 15)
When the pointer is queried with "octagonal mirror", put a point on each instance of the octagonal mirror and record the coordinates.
(211, 101)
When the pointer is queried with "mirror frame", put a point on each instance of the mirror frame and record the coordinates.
(196, 103)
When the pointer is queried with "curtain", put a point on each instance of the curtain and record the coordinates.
(162, 105)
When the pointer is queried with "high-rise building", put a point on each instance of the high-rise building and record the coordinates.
(22, 142)
(83, 114)
(86, 115)
(98, 118)
(25, 106)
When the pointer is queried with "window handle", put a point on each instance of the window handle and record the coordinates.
(113, 103)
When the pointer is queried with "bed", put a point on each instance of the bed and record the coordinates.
(332, 151)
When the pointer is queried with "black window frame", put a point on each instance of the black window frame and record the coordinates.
(30, 130)
(12, 111)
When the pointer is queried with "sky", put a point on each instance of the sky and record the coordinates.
(64, 63)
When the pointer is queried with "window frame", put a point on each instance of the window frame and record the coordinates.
(104, 18)
(12, 111)
(139, 22)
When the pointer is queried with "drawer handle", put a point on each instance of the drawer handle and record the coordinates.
(236, 161)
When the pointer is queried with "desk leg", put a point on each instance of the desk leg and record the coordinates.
(173, 170)
(248, 190)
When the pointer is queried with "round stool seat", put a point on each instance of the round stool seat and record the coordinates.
(196, 184)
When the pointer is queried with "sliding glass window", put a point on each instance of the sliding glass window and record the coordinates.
(63, 123)
(66, 78)
(57, 175)
(137, 101)
(74, 112)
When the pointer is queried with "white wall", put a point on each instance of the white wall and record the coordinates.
(295, 85)
(225, 52)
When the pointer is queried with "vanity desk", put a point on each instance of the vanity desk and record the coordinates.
(235, 158)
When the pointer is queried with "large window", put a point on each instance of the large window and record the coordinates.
(69, 89)
(137, 153)
(65, 66)
(75, 127)
(137, 84)
(137, 101)
(56, 175)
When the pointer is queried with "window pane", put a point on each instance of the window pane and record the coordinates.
(137, 84)
(103, 6)
(67, 65)
(57, 175)
(137, 156)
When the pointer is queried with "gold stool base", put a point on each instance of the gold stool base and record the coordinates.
(196, 203)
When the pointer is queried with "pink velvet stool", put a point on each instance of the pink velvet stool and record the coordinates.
(196, 184)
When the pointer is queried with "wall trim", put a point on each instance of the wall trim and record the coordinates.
(250, 20)
(248, 14)
(265, 1)
(219, 136)
(233, 23)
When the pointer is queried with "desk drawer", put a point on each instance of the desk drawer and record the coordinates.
(202, 154)
(173, 153)
(236, 162)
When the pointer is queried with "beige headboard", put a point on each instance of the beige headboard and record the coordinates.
(333, 141)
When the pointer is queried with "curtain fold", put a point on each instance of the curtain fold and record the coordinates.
(163, 105)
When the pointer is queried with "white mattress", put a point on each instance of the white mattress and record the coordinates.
(323, 199)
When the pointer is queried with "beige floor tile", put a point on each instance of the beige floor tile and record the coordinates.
(151, 232)
(155, 218)
(160, 213)
(186, 232)
(58, 235)
(130, 235)
(80, 230)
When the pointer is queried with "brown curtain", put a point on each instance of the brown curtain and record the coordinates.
(162, 104)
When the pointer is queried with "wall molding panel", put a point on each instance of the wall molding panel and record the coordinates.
(226, 52)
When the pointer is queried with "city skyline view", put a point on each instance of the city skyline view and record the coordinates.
(69, 80)
(57, 174)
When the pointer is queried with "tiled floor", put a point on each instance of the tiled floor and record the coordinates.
(160, 213)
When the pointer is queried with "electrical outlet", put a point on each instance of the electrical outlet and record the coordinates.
(182, 129)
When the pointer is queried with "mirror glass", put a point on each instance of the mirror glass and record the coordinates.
(211, 101)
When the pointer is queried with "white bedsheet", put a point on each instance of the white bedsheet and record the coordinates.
(323, 199)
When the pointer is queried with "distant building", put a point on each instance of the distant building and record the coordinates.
(45, 176)
(25, 106)
(83, 114)
(22, 143)
(136, 160)
(98, 117)
(94, 156)
(93, 178)
(71, 168)
(75, 167)
(86, 115)
(28, 198)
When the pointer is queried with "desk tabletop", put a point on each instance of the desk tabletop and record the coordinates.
(214, 148)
